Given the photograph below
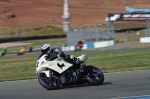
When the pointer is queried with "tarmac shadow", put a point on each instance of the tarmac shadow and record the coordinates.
(83, 85)
(107, 83)
(74, 86)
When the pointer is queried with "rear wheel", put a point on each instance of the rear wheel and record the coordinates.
(50, 83)
(94, 75)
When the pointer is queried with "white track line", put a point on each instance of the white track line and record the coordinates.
(142, 96)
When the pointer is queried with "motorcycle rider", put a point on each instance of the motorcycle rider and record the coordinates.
(79, 45)
(53, 53)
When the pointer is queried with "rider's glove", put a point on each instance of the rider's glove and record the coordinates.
(58, 55)
(77, 61)
(71, 57)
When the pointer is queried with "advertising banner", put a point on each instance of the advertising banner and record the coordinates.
(128, 17)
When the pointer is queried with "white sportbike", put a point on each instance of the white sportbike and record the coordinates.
(56, 73)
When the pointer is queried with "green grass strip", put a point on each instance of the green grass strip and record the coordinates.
(15, 67)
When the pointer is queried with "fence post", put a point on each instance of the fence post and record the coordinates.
(89, 29)
(8, 32)
(147, 32)
(113, 30)
(108, 34)
(23, 32)
(148, 28)
(16, 32)
(96, 32)
(103, 32)
(127, 32)
(1, 33)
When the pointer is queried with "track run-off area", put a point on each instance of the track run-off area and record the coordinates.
(117, 84)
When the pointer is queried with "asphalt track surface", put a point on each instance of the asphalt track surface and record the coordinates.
(120, 84)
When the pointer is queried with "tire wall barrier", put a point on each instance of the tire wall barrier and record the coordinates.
(31, 38)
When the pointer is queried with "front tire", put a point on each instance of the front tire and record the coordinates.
(94, 75)
(50, 83)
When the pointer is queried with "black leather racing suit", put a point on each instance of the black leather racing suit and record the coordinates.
(55, 53)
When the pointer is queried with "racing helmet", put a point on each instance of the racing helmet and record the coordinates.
(45, 48)
(82, 41)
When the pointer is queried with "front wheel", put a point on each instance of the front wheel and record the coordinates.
(94, 75)
(50, 83)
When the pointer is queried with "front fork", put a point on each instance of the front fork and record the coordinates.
(48, 73)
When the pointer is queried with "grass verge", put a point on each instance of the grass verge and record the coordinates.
(29, 30)
(39, 43)
(23, 67)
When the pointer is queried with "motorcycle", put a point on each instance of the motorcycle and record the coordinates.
(78, 47)
(3, 52)
(57, 73)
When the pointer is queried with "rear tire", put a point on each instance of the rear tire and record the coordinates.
(94, 75)
(50, 83)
